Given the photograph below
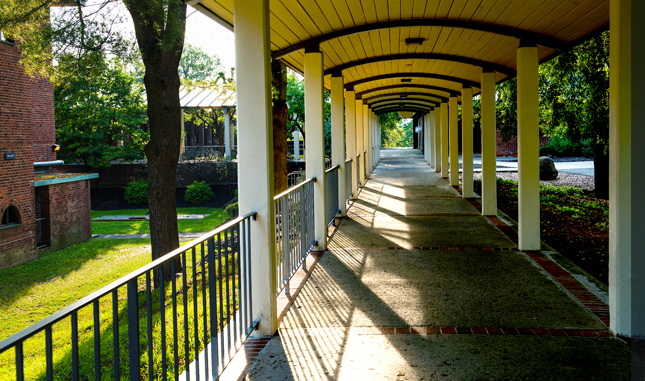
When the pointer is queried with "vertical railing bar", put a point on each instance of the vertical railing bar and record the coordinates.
(184, 287)
(250, 284)
(20, 370)
(204, 308)
(221, 296)
(195, 313)
(234, 261)
(133, 328)
(149, 326)
(162, 312)
(97, 341)
(228, 295)
(49, 355)
(115, 333)
(239, 280)
(213, 306)
(174, 318)
(74, 321)
(245, 292)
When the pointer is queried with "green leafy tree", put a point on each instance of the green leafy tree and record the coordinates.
(392, 133)
(97, 108)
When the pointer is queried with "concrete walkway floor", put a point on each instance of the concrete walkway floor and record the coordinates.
(417, 285)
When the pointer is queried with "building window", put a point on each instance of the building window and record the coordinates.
(10, 218)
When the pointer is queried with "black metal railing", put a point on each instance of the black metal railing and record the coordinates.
(358, 170)
(294, 230)
(191, 306)
(331, 194)
(296, 177)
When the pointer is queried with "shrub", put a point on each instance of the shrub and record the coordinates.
(136, 193)
(232, 211)
(198, 193)
(560, 147)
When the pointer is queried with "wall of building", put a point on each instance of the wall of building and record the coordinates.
(69, 213)
(17, 244)
(509, 148)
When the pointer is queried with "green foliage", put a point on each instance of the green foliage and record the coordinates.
(560, 147)
(232, 211)
(136, 193)
(198, 193)
(296, 111)
(396, 131)
(99, 112)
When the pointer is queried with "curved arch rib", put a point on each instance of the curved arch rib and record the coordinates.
(409, 86)
(418, 94)
(424, 56)
(407, 101)
(537, 38)
(385, 110)
(462, 81)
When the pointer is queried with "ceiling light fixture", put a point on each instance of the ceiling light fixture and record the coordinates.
(414, 41)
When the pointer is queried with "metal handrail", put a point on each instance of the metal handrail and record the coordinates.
(302, 184)
(86, 301)
(337, 166)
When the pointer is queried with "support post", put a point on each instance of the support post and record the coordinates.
(255, 157)
(366, 143)
(437, 139)
(626, 182)
(296, 145)
(444, 140)
(227, 133)
(467, 142)
(350, 125)
(338, 136)
(315, 140)
(489, 170)
(182, 147)
(454, 140)
(528, 172)
(359, 142)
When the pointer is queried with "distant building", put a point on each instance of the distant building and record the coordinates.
(39, 209)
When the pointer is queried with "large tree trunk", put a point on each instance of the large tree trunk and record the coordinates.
(280, 109)
(601, 171)
(160, 26)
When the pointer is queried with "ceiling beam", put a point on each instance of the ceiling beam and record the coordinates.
(385, 110)
(424, 102)
(450, 92)
(537, 38)
(409, 94)
(485, 65)
(463, 82)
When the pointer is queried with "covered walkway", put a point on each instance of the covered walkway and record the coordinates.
(417, 284)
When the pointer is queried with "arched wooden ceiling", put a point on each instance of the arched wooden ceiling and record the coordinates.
(365, 40)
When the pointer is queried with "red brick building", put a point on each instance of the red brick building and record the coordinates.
(38, 208)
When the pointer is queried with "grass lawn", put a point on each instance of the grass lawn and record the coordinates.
(216, 217)
(35, 290)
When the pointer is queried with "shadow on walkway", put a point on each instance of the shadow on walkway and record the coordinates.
(417, 285)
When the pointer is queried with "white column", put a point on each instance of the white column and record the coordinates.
(489, 170)
(374, 129)
(437, 139)
(366, 144)
(431, 144)
(227, 133)
(359, 142)
(626, 180)
(426, 136)
(467, 142)
(338, 136)
(444, 140)
(315, 140)
(454, 140)
(528, 172)
(296, 145)
(255, 156)
(350, 125)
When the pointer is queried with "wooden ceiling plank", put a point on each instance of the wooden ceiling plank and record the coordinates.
(282, 30)
(340, 50)
(406, 9)
(457, 8)
(358, 46)
(384, 36)
(288, 20)
(444, 8)
(356, 10)
(369, 9)
(419, 8)
(330, 13)
(495, 11)
(510, 12)
(483, 9)
(580, 15)
(316, 15)
(394, 9)
(469, 9)
(366, 42)
(544, 12)
(395, 45)
(343, 12)
(299, 15)
(381, 10)
(456, 36)
(431, 9)
(375, 39)
(581, 28)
